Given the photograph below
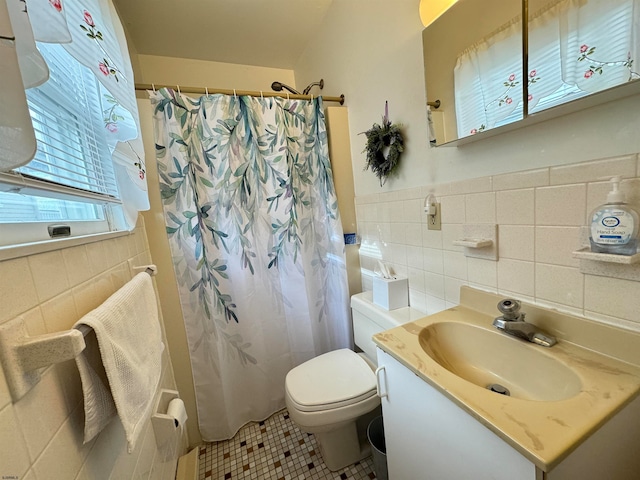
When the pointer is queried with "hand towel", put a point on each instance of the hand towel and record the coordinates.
(120, 368)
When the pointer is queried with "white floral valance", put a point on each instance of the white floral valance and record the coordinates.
(91, 32)
(488, 80)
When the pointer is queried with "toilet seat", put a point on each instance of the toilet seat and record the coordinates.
(336, 379)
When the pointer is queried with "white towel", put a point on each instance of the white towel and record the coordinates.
(120, 367)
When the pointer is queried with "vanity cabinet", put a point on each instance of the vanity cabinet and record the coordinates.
(429, 437)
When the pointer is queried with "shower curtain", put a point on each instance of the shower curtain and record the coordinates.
(257, 246)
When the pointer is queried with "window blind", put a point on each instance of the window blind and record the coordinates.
(67, 118)
(73, 160)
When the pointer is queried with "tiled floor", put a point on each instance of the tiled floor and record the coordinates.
(273, 450)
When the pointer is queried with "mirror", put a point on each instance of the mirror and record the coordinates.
(577, 48)
(458, 53)
(579, 53)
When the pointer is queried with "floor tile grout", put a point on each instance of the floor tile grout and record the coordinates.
(274, 449)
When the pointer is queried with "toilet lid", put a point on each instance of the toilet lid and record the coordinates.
(331, 380)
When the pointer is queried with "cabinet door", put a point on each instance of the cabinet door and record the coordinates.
(428, 437)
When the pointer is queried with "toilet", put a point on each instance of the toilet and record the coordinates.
(334, 395)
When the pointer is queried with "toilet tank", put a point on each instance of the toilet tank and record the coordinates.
(369, 319)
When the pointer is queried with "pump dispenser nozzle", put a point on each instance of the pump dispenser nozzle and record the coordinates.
(615, 195)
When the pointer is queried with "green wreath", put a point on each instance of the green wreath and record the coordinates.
(381, 137)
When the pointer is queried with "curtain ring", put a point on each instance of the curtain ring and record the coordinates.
(153, 87)
(261, 95)
(178, 89)
(287, 95)
(234, 94)
(206, 90)
(312, 97)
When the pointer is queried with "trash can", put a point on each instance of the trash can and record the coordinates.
(375, 434)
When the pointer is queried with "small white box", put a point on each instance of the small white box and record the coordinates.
(391, 293)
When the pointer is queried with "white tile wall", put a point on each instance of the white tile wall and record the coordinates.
(554, 245)
(516, 207)
(516, 242)
(539, 215)
(41, 434)
(482, 272)
(17, 287)
(561, 205)
(480, 208)
(518, 180)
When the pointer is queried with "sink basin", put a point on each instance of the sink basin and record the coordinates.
(487, 357)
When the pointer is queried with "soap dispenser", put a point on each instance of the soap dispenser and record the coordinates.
(614, 225)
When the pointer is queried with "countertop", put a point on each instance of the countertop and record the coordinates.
(545, 432)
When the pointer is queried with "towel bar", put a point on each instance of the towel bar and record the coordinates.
(22, 356)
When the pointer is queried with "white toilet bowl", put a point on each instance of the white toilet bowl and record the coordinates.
(334, 395)
(326, 396)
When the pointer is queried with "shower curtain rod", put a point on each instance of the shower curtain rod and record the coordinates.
(201, 90)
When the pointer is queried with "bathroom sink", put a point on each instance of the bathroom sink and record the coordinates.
(560, 395)
(501, 363)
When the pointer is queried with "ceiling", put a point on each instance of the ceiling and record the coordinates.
(265, 33)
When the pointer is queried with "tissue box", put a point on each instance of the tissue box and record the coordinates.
(391, 293)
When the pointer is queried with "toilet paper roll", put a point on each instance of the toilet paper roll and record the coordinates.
(177, 411)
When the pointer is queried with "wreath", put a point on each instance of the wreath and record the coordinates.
(380, 138)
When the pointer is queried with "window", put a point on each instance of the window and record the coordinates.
(73, 159)
(88, 170)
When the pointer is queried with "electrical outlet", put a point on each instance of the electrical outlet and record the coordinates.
(433, 221)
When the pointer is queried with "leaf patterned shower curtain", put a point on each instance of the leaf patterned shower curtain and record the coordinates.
(257, 246)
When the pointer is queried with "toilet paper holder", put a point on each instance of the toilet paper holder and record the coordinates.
(164, 425)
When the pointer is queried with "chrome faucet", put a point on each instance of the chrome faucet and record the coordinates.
(512, 322)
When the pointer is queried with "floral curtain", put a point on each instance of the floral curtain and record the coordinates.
(252, 220)
(488, 80)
